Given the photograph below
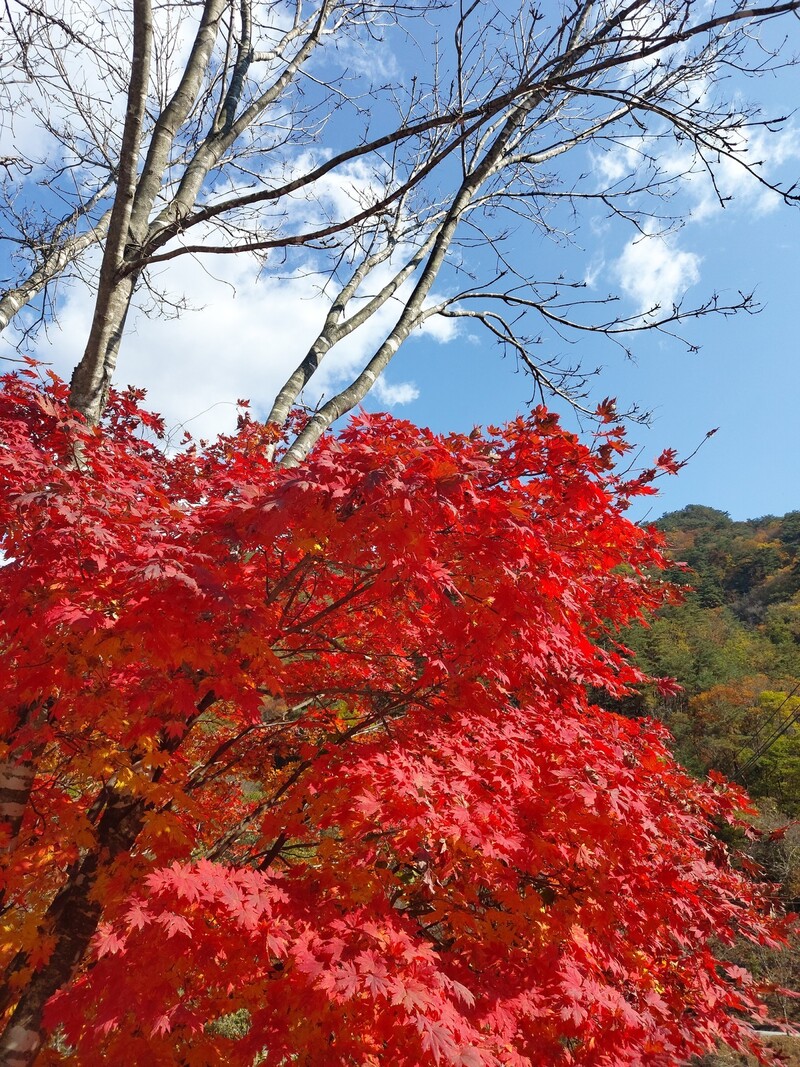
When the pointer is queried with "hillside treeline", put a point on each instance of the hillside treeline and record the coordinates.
(733, 645)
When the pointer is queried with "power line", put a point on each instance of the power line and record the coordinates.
(776, 712)
(775, 736)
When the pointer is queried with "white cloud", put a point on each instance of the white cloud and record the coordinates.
(364, 58)
(624, 157)
(593, 272)
(771, 156)
(766, 154)
(439, 329)
(349, 189)
(245, 336)
(653, 271)
(395, 394)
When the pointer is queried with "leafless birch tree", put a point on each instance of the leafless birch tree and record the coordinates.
(190, 130)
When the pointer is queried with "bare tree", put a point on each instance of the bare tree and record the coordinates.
(218, 151)
(188, 129)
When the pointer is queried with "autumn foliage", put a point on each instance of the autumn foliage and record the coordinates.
(308, 760)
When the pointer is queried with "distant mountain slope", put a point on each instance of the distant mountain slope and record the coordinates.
(747, 566)
(734, 647)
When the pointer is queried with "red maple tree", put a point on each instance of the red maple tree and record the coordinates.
(302, 765)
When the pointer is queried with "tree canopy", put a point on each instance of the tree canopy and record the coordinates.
(301, 764)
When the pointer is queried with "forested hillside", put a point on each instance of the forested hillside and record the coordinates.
(733, 645)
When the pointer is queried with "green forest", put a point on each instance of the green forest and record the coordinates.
(733, 645)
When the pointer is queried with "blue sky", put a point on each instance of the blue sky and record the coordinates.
(245, 332)
(745, 380)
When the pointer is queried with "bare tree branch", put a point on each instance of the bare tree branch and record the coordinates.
(228, 145)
